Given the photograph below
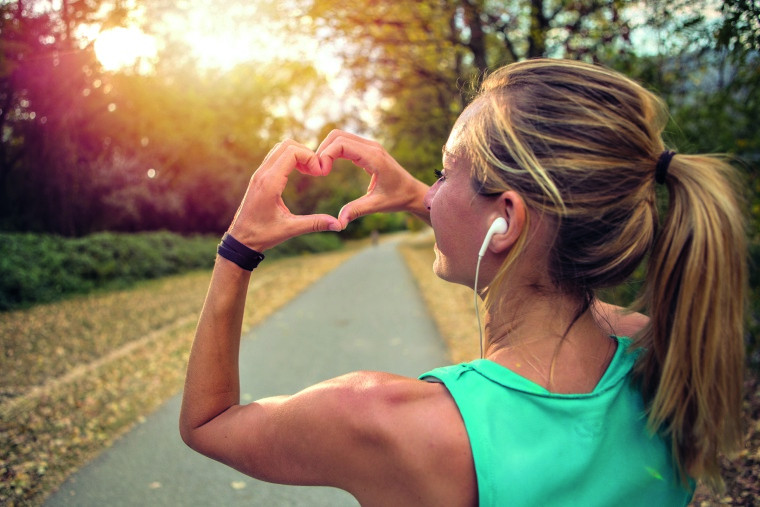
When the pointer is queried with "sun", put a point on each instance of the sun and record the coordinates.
(119, 48)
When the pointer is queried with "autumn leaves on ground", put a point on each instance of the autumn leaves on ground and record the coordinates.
(77, 374)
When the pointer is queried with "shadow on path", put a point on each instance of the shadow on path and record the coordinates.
(365, 315)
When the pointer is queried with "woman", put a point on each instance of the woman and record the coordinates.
(561, 410)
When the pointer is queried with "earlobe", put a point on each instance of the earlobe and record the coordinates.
(512, 208)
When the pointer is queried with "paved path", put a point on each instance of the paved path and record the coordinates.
(367, 315)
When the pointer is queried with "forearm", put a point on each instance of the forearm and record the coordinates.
(212, 381)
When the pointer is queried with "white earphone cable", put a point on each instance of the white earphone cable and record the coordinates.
(499, 226)
(477, 310)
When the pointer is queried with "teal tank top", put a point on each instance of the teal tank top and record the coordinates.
(532, 447)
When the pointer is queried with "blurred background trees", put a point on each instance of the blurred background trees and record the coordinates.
(85, 148)
(168, 141)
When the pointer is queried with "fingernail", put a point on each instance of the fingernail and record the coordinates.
(335, 227)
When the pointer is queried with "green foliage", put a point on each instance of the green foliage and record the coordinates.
(380, 222)
(36, 268)
(426, 57)
(306, 244)
(83, 150)
(741, 25)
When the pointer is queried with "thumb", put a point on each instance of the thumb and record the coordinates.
(305, 224)
(349, 212)
(364, 205)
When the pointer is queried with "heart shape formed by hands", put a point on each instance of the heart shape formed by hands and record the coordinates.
(391, 187)
(263, 220)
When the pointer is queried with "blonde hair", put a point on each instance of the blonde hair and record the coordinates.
(580, 144)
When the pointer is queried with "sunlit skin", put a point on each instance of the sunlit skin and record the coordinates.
(369, 433)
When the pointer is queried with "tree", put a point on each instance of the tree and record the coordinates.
(740, 30)
(48, 101)
(84, 150)
(416, 54)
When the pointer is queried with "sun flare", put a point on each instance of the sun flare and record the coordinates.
(119, 48)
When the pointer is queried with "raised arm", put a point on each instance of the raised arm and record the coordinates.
(211, 395)
(262, 221)
(391, 187)
(369, 433)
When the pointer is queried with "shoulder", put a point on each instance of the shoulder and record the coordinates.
(618, 321)
(377, 435)
(402, 413)
(424, 440)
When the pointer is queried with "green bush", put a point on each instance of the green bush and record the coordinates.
(309, 243)
(38, 268)
(362, 227)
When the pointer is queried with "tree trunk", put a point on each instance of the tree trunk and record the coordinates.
(538, 27)
(477, 42)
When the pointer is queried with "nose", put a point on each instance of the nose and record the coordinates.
(427, 201)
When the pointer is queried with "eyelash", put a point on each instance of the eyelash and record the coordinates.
(439, 174)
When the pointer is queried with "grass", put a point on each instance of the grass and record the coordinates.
(77, 374)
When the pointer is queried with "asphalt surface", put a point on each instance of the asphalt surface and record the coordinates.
(365, 315)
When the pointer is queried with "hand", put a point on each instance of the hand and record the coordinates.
(263, 220)
(391, 187)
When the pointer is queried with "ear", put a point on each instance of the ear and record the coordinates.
(512, 207)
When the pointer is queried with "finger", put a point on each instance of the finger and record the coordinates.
(289, 156)
(269, 154)
(326, 162)
(364, 205)
(332, 136)
(305, 224)
(288, 150)
(362, 152)
(312, 168)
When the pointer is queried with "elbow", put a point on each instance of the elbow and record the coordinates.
(193, 438)
(188, 434)
(189, 431)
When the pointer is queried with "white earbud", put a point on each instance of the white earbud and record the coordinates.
(499, 226)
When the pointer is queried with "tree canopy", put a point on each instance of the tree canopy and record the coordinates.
(85, 149)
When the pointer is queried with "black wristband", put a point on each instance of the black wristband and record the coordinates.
(233, 250)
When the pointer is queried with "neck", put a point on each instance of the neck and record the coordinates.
(552, 340)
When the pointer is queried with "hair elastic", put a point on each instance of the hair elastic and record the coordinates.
(661, 170)
(233, 250)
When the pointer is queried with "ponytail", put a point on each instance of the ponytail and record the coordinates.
(692, 369)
